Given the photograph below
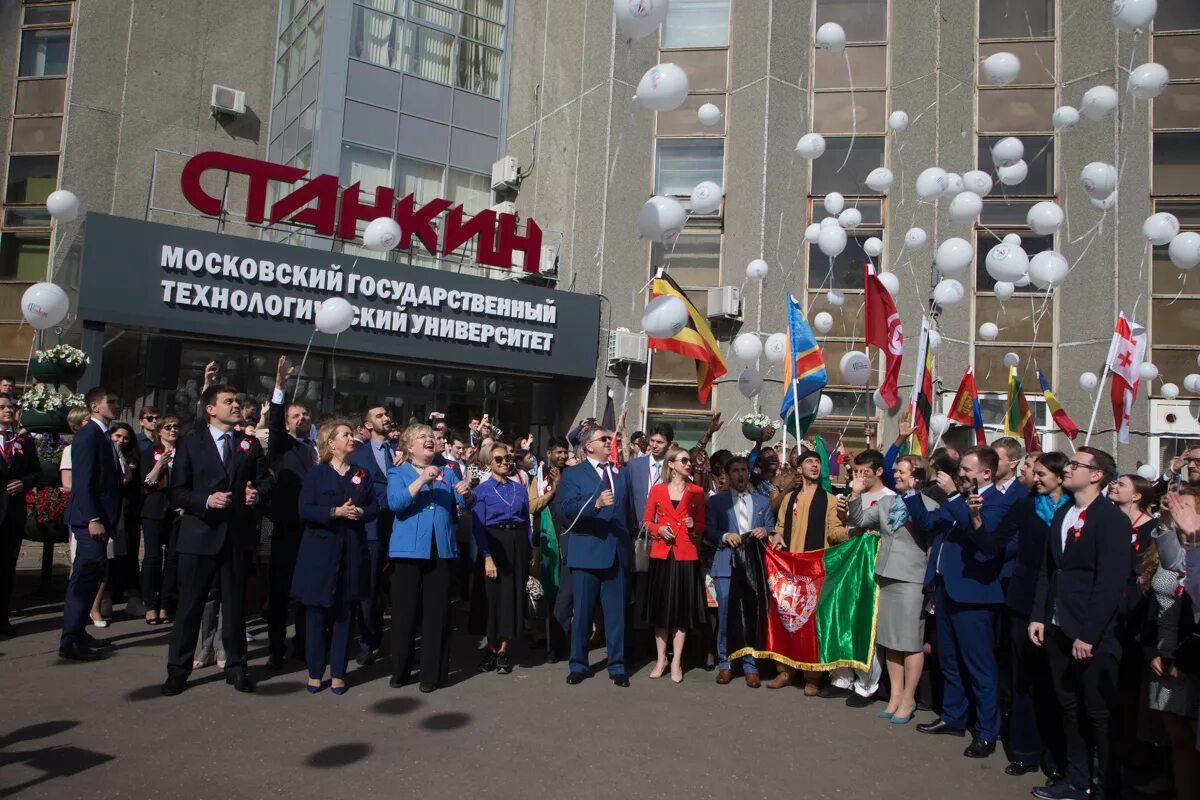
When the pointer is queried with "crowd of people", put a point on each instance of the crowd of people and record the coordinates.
(1039, 599)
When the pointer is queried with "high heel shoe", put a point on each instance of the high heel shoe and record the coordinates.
(899, 720)
(314, 689)
(658, 671)
(338, 690)
(677, 680)
(885, 715)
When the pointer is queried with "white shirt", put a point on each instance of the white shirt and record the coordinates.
(216, 434)
(1069, 521)
(656, 468)
(743, 509)
(1004, 487)
(599, 466)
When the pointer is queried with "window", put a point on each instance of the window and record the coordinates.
(694, 259)
(427, 53)
(490, 9)
(1016, 19)
(833, 112)
(24, 257)
(478, 68)
(1179, 54)
(472, 191)
(46, 14)
(418, 178)
(1176, 163)
(863, 20)
(985, 240)
(844, 271)
(683, 163)
(370, 168)
(696, 23)
(44, 52)
(36, 134)
(1177, 15)
(31, 179)
(376, 38)
(1039, 156)
(44, 96)
(868, 68)
(1015, 110)
(829, 174)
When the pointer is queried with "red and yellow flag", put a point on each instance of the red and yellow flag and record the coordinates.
(695, 341)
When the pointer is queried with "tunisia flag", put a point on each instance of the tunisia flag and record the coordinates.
(885, 332)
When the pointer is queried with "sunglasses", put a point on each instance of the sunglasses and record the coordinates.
(150, 418)
(170, 427)
(683, 461)
(604, 441)
(502, 459)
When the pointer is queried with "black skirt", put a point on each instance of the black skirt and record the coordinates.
(675, 595)
(506, 592)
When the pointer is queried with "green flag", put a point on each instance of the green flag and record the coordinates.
(819, 446)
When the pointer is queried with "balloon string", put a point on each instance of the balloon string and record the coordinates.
(853, 112)
(300, 372)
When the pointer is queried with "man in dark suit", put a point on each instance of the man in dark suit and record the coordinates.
(216, 478)
(595, 503)
(20, 471)
(93, 511)
(290, 454)
(966, 562)
(375, 457)
(1079, 591)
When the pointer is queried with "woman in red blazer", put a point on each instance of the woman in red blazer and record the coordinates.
(675, 520)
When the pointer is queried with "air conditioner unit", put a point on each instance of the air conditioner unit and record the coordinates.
(1175, 417)
(725, 301)
(627, 347)
(506, 173)
(226, 100)
(548, 264)
(505, 208)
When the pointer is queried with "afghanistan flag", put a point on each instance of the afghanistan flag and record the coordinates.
(814, 611)
(921, 406)
(1061, 418)
(695, 341)
(965, 409)
(1018, 419)
(804, 372)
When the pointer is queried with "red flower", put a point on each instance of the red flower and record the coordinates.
(47, 504)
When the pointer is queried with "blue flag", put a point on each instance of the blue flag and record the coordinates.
(804, 371)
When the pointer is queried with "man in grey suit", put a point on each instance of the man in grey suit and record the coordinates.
(645, 471)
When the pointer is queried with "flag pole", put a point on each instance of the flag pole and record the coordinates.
(1096, 406)
(795, 417)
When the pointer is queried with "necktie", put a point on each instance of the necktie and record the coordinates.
(8, 446)
(226, 452)
(312, 450)
(655, 472)
(744, 512)
(605, 478)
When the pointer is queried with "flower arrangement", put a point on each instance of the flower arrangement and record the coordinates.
(753, 425)
(50, 447)
(47, 505)
(44, 397)
(63, 354)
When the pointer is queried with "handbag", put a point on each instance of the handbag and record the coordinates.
(535, 606)
(641, 551)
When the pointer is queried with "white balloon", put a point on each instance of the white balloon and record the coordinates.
(428, 379)
(1148, 372)
(1006, 262)
(965, 206)
(1169, 390)
(939, 424)
(1088, 381)
(954, 184)
(1148, 472)
(824, 406)
(1191, 383)
(834, 203)
(880, 180)
(665, 316)
(776, 348)
(1004, 290)
(812, 232)
(1105, 204)
(855, 368)
(1132, 15)
(1022, 281)
(706, 198)
(1160, 228)
(932, 183)
(1099, 103)
(890, 282)
(898, 120)
(381, 234)
(954, 255)
(1007, 151)
(915, 238)
(750, 382)
(1011, 176)
(811, 145)
(1185, 250)
(757, 269)
(988, 331)
(44, 305)
(1045, 218)
(832, 240)
(1002, 68)
(873, 247)
(63, 205)
(880, 403)
(334, 316)
(747, 347)
(1011, 359)
(829, 222)
(831, 37)
(1048, 269)
(977, 181)
(948, 292)
(823, 322)
(935, 341)
(1065, 118)
(708, 114)
(1098, 179)
(835, 298)
(639, 18)
(1147, 81)
(664, 87)
(661, 218)
(850, 219)
(1013, 239)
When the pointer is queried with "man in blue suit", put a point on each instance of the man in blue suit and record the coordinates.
(375, 457)
(733, 515)
(966, 563)
(92, 514)
(595, 504)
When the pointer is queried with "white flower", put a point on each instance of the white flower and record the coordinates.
(44, 397)
(64, 353)
(756, 418)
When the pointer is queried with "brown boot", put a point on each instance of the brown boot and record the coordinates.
(752, 680)
(812, 683)
(724, 676)
(784, 678)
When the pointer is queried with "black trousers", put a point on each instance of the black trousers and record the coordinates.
(12, 532)
(196, 575)
(160, 566)
(285, 547)
(369, 610)
(1087, 694)
(421, 584)
(558, 621)
(1035, 726)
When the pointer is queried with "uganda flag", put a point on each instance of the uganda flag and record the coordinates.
(695, 341)
(1018, 419)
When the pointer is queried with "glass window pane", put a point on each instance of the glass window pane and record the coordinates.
(1180, 55)
(707, 70)
(15, 341)
(481, 30)
(696, 23)
(478, 68)
(1176, 321)
(427, 53)
(1016, 19)
(868, 68)
(681, 398)
(828, 174)
(863, 20)
(687, 429)
(1177, 15)
(856, 405)
(1174, 363)
(31, 179)
(296, 61)
(376, 38)
(845, 271)
(37, 217)
(45, 14)
(24, 256)
(1015, 110)
(1187, 211)
(492, 9)
(1031, 243)
(281, 70)
(1170, 279)
(992, 376)
(683, 163)
(473, 192)
(683, 122)
(1037, 60)
(1178, 107)
(672, 368)
(418, 178)
(832, 352)
(313, 49)
(44, 52)
(871, 210)
(999, 212)
(438, 17)
(847, 320)
(1176, 163)
(389, 6)
(1016, 317)
(834, 113)
(694, 260)
(370, 168)
(1039, 155)
(41, 96)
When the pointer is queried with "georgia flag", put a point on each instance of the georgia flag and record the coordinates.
(1125, 357)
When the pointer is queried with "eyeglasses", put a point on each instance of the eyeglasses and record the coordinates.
(170, 427)
(502, 459)
(150, 418)
(1077, 465)
(683, 461)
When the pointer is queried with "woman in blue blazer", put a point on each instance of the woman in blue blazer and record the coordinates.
(425, 500)
(336, 502)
